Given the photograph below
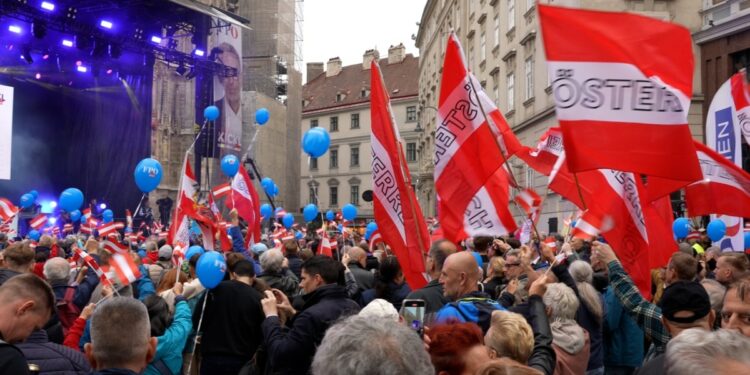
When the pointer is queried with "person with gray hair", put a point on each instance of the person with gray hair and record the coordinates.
(716, 293)
(371, 345)
(432, 293)
(696, 351)
(121, 341)
(590, 314)
(70, 298)
(570, 340)
(277, 274)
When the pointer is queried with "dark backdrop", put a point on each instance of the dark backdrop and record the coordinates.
(91, 139)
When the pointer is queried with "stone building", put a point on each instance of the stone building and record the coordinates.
(338, 98)
(504, 50)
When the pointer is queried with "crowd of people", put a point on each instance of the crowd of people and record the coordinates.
(492, 306)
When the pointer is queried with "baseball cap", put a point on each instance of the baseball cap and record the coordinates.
(165, 252)
(685, 296)
(259, 248)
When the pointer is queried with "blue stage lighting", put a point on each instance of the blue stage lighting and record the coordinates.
(52, 220)
(48, 6)
(67, 43)
(199, 52)
(53, 204)
(14, 29)
(105, 24)
(103, 206)
(82, 69)
(156, 39)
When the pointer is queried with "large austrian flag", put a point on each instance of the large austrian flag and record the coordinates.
(394, 202)
(543, 158)
(179, 232)
(470, 182)
(247, 203)
(622, 85)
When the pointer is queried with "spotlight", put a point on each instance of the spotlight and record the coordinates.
(67, 43)
(38, 76)
(53, 204)
(14, 29)
(109, 71)
(106, 24)
(45, 55)
(39, 29)
(138, 33)
(52, 220)
(156, 39)
(26, 55)
(103, 206)
(46, 5)
(79, 63)
(199, 52)
(82, 69)
(115, 51)
(72, 12)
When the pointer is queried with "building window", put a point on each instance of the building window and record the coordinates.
(334, 158)
(411, 151)
(529, 177)
(313, 123)
(354, 159)
(482, 47)
(354, 196)
(334, 190)
(470, 56)
(496, 91)
(411, 114)
(529, 4)
(334, 124)
(313, 164)
(313, 195)
(355, 121)
(529, 71)
(511, 14)
(511, 89)
(497, 31)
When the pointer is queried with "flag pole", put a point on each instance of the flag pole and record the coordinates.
(580, 193)
(491, 125)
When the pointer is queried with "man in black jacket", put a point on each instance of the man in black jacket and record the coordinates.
(432, 293)
(357, 263)
(325, 301)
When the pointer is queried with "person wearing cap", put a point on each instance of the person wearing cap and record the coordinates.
(685, 305)
(162, 265)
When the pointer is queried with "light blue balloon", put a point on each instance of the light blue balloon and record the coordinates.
(316, 141)
(261, 116)
(310, 212)
(372, 226)
(681, 227)
(192, 250)
(210, 269)
(275, 190)
(34, 235)
(148, 174)
(71, 199)
(298, 235)
(349, 211)
(108, 214)
(266, 181)
(716, 230)
(230, 165)
(75, 215)
(288, 221)
(35, 194)
(747, 240)
(211, 113)
(27, 200)
(330, 215)
(266, 210)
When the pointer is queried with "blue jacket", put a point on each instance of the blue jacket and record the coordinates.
(623, 339)
(397, 295)
(475, 307)
(53, 358)
(238, 246)
(83, 290)
(144, 284)
(170, 344)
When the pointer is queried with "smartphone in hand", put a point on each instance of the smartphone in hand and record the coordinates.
(413, 311)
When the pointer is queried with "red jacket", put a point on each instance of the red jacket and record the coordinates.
(74, 334)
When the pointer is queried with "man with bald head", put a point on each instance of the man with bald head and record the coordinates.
(357, 263)
(460, 279)
(432, 293)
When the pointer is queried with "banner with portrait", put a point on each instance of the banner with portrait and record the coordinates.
(226, 44)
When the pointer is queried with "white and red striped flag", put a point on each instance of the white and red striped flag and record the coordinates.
(589, 225)
(280, 213)
(222, 190)
(375, 239)
(470, 181)
(38, 221)
(56, 231)
(619, 106)
(325, 248)
(543, 158)
(529, 201)
(394, 202)
(125, 268)
(91, 263)
(110, 228)
(67, 228)
(179, 232)
(247, 203)
(113, 246)
(128, 219)
(85, 228)
(7, 209)
(87, 214)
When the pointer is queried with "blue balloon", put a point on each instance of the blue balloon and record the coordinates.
(108, 214)
(35, 194)
(266, 181)
(210, 269)
(148, 175)
(371, 226)
(681, 227)
(71, 199)
(75, 215)
(230, 165)
(288, 221)
(310, 212)
(298, 235)
(83, 219)
(330, 215)
(275, 190)
(261, 116)
(192, 250)
(268, 188)
(34, 235)
(107, 220)
(747, 240)
(27, 200)
(142, 253)
(716, 230)
(211, 113)
(349, 211)
(266, 210)
(315, 142)
(368, 234)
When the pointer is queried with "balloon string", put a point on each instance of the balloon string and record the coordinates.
(135, 214)
(197, 332)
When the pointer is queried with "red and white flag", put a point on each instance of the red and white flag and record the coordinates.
(590, 224)
(543, 158)
(179, 231)
(85, 228)
(375, 239)
(222, 190)
(530, 202)
(38, 221)
(394, 202)
(247, 203)
(91, 263)
(325, 247)
(87, 214)
(67, 228)
(110, 228)
(622, 85)
(128, 219)
(125, 268)
(280, 213)
(7, 210)
(114, 246)
(470, 180)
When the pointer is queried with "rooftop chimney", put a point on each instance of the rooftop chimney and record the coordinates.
(313, 70)
(396, 54)
(334, 67)
(368, 57)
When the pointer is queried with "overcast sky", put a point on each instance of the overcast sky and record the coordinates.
(346, 28)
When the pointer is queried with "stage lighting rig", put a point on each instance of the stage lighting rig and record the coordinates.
(72, 13)
(39, 29)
